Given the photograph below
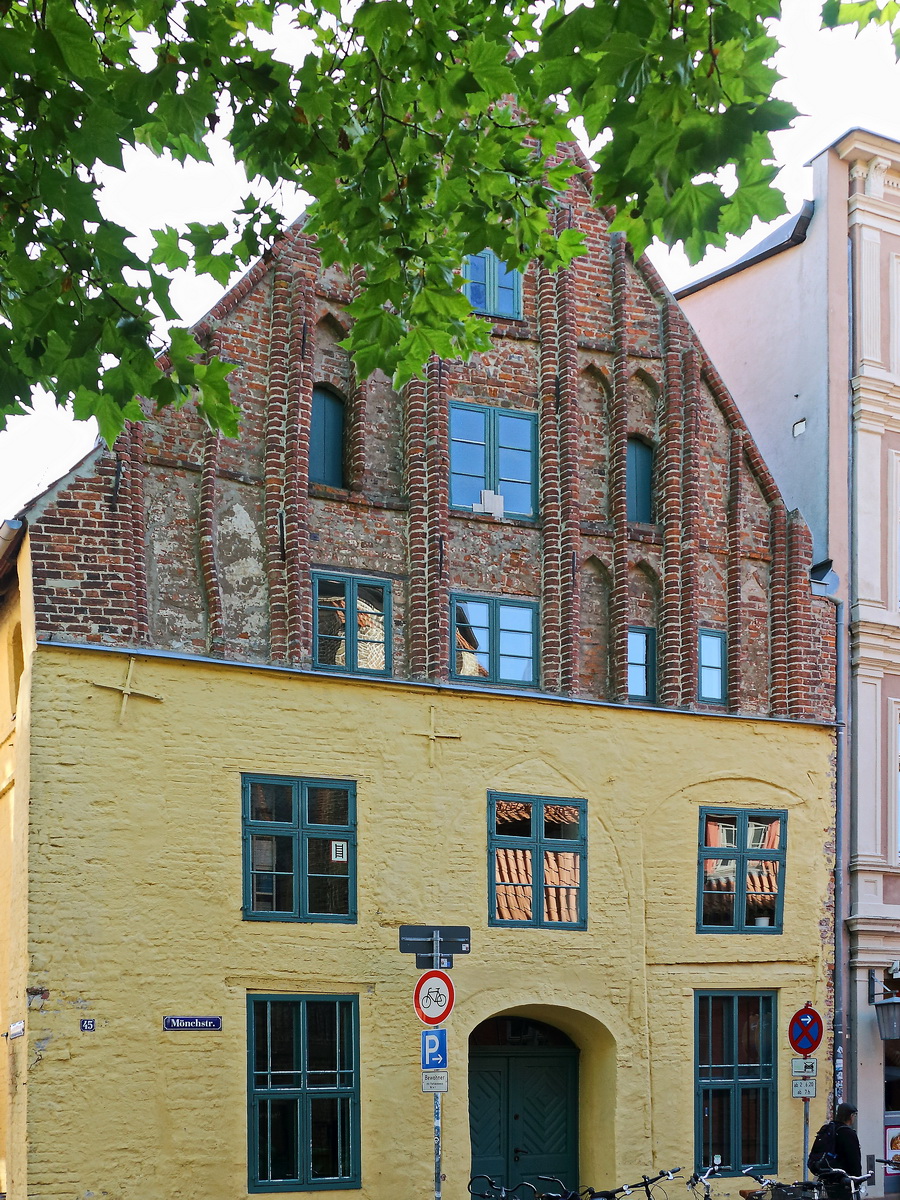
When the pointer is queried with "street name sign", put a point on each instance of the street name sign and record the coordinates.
(191, 1024)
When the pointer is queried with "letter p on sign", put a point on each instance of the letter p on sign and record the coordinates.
(434, 1049)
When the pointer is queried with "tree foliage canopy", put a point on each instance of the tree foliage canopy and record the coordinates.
(396, 120)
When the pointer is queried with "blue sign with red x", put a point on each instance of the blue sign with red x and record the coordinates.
(805, 1030)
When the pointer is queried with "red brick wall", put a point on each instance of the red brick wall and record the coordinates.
(190, 542)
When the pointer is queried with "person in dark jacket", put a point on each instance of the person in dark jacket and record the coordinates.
(846, 1142)
(846, 1150)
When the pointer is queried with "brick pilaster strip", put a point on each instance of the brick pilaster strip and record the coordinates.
(734, 585)
(778, 633)
(138, 522)
(618, 447)
(438, 460)
(356, 444)
(801, 681)
(570, 509)
(690, 559)
(296, 475)
(274, 465)
(416, 468)
(209, 567)
(669, 640)
(550, 508)
(206, 527)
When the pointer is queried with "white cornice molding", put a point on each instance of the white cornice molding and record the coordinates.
(862, 145)
(866, 213)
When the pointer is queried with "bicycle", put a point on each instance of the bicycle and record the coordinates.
(698, 1182)
(589, 1193)
(802, 1189)
(841, 1186)
(497, 1191)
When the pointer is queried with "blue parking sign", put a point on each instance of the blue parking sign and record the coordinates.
(434, 1049)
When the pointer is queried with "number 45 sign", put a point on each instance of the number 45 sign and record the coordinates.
(433, 997)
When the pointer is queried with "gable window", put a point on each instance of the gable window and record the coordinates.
(491, 287)
(326, 439)
(736, 1098)
(493, 449)
(352, 624)
(712, 664)
(536, 864)
(494, 641)
(741, 872)
(639, 481)
(303, 1093)
(299, 849)
(641, 663)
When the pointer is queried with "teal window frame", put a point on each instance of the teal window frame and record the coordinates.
(491, 287)
(539, 845)
(495, 473)
(723, 1033)
(495, 631)
(298, 832)
(648, 636)
(326, 437)
(351, 638)
(639, 481)
(743, 853)
(711, 637)
(302, 1088)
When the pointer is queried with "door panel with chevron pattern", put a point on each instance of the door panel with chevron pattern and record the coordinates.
(523, 1110)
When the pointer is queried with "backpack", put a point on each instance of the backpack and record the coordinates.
(823, 1155)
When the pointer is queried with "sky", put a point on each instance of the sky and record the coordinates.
(836, 80)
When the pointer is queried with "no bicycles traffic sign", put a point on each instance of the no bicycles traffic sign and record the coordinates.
(433, 997)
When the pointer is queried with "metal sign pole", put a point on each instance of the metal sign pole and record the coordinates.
(437, 949)
(437, 1146)
(805, 1139)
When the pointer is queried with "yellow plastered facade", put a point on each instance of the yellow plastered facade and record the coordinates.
(134, 889)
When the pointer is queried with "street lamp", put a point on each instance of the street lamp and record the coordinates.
(887, 1011)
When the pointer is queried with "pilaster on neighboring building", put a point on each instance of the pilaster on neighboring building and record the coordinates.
(531, 648)
(806, 332)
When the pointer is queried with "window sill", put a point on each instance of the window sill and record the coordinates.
(321, 491)
(638, 531)
(490, 519)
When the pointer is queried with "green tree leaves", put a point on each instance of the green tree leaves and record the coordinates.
(397, 118)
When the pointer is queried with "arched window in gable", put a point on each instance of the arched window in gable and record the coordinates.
(326, 438)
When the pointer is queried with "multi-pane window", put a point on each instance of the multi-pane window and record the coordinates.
(741, 871)
(304, 1093)
(639, 481)
(736, 1097)
(493, 449)
(326, 439)
(299, 849)
(712, 663)
(491, 287)
(536, 863)
(352, 624)
(641, 663)
(494, 641)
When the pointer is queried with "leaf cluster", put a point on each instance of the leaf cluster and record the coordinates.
(424, 132)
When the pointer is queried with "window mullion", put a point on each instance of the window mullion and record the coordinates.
(492, 444)
(494, 639)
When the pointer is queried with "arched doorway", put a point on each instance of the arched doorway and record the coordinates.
(523, 1101)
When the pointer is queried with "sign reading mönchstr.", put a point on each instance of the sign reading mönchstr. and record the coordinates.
(190, 1024)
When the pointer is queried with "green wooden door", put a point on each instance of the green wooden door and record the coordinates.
(523, 1114)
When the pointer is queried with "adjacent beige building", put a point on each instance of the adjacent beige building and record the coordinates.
(806, 333)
